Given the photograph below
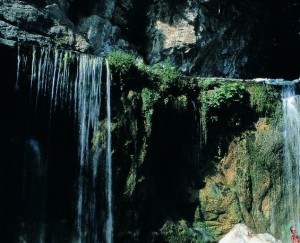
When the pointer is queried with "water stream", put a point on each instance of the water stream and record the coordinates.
(109, 221)
(72, 81)
(291, 133)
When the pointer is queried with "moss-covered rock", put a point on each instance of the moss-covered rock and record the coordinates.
(194, 155)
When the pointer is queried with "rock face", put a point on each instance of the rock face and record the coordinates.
(46, 23)
(206, 38)
(192, 157)
(242, 234)
(189, 163)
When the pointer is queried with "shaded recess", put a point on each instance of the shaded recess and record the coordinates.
(285, 27)
(79, 9)
(172, 172)
(131, 16)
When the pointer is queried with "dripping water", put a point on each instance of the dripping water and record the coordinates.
(50, 79)
(109, 221)
(87, 110)
(291, 136)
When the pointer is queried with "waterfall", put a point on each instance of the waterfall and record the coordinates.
(71, 81)
(109, 221)
(88, 95)
(291, 134)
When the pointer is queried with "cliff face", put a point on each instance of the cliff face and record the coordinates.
(187, 152)
(201, 156)
(191, 157)
(206, 38)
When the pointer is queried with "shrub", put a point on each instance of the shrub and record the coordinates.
(121, 62)
(222, 96)
(165, 72)
(149, 98)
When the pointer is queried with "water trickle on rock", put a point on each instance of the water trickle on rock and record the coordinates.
(74, 81)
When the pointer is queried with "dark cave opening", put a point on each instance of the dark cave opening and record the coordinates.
(285, 49)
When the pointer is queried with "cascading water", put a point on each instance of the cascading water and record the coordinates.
(291, 134)
(74, 81)
(88, 95)
(109, 221)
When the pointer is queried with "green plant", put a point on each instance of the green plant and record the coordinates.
(149, 98)
(180, 232)
(265, 147)
(263, 98)
(226, 93)
(216, 96)
(121, 62)
(209, 83)
(165, 72)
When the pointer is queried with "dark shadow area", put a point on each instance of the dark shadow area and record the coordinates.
(171, 170)
(133, 21)
(285, 29)
(79, 9)
(39, 164)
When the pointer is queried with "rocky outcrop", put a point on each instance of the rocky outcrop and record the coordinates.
(49, 25)
(246, 187)
(205, 38)
(242, 234)
(21, 22)
(192, 157)
(208, 43)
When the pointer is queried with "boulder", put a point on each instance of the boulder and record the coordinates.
(240, 233)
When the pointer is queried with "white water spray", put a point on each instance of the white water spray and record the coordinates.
(291, 134)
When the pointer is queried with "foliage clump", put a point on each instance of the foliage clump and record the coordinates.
(121, 62)
(217, 96)
(149, 98)
(266, 147)
(264, 98)
(182, 233)
(164, 73)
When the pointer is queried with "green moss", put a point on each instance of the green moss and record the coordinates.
(181, 233)
(130, 183)
(265, 148)
(264, 98)
(225, 93)
(209, 83)
(149, 98)
(165, 74)
(215, 96)
(182, 102)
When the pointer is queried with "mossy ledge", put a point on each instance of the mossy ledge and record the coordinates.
(193, 156)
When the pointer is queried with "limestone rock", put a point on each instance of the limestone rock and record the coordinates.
(99, 32)
(203, 38)
(22, 22)
(242, 234)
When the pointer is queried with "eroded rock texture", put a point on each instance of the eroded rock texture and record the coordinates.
(206, 38)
